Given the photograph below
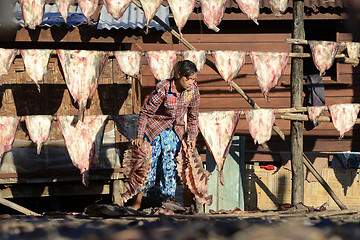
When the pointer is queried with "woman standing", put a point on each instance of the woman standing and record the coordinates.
(162, 123)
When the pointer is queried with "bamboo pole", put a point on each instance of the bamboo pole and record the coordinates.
(350, 61)
(308, 55)
(304, 42)
(17, 207)
(285, 110)
(309, 165)
(246, 97)
(300, 117)
(292, 110)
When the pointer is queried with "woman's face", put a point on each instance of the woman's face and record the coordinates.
(186, 82)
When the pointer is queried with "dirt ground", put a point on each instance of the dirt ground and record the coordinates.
(279, 225)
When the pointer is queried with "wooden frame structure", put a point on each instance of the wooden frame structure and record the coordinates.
(296, 125)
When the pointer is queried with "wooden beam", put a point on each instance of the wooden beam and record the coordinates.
(297, 72)
(308, 164)
(292, 110)
(304, 42)
(25, 190)
(301, 117)
(346, 60)
(61, 176)
(17, 207)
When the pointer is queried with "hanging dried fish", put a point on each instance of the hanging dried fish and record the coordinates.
(137, 165)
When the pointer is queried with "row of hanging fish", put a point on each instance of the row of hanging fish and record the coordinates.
(261, 121)
(212, 10)
(343, 116)
(83, 139)
(324, 52)
(218, 127)
(82, 68)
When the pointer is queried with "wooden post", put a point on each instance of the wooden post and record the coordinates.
(297, 72)
(117, 189)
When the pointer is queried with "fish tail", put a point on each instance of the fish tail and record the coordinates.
(82, 110)
(221, 177)
(38, 149)
(85, 178)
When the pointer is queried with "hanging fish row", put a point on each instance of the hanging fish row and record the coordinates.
(83, 139)
(212, 10)
(83, 68)
(217, 127)
(343, 117)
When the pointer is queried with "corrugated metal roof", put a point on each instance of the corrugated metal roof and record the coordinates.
(133, 17)
(52, 16)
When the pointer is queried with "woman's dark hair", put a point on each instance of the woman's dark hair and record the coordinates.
(185, 68)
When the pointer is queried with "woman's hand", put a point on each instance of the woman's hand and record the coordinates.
(137, 142)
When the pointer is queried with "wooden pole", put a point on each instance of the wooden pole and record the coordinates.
(297, 72)
(301, 117)
(304, 42)
(308, 164)
(17, 207)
